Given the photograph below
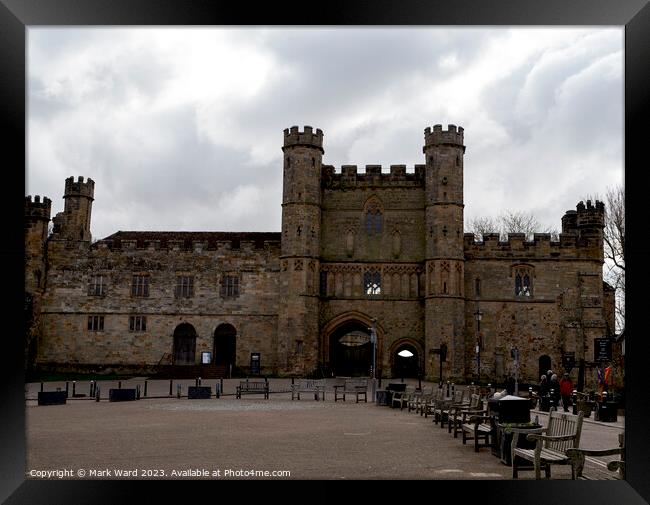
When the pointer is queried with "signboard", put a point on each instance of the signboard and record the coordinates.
(206, 358)
(255, 363)
(602, 349)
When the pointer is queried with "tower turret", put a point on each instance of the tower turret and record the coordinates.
(301, 221)
(74, 222)
(37, 217)
(444, 305)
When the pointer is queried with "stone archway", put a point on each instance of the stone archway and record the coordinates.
(544, 365)
(184, 344)
(405, 366)
(346, 349)
(225, 345)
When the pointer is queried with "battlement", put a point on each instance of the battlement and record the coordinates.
(37, 209)
(437, 136)
(191, 241)
(79, 188)
(542, 245)
(374, 175)
(307, 138)
(585, 216)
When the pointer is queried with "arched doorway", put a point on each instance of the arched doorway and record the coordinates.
(406, 361)
(225, 345)
(184, 344)
(544, 365)
(351, 350)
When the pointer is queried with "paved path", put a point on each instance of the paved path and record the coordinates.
(228, 438)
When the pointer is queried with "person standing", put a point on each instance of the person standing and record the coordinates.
(554, 387)
(566, 388)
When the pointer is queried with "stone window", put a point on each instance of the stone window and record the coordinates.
(477, 286)
(372, 282)
(95, 323)
(140, 285)
(299, 346)
(230, 286)
(523, 275)
(138, 323)
(374, 217)
(97, 285)
(184, 286)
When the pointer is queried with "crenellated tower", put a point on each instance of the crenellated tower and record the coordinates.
(444, 257)
(74, 222)
(37, 217)
(298, 331)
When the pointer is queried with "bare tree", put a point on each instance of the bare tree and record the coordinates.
(509, 222)
(614, 249)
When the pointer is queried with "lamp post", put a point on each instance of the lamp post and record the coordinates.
(373, 342)
(515, 355)
(478, 315)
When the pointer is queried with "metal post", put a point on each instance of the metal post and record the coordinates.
(145, 388)
(178, 390)
(137, 391)
(119, 385)
(41, 386)
(221, 385)
(217, 390)
(74, 388)
(91, 393)
(170, 386)
(97, 393)
(196, 381)
(373, 341)
(66, 389)
(516, 371)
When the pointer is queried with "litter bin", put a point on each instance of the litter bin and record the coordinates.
(606, 412)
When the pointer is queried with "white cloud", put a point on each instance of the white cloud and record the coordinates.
(182, 128)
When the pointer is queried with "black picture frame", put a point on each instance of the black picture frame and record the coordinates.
(17, 15)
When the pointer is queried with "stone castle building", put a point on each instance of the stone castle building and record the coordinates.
(360, 255)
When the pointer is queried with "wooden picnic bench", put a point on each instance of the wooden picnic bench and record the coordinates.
(252, 387)
(357, 387)
(616, 467)
(315, 386)
(562, 433)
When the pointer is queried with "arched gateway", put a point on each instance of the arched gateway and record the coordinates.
(347, 346)
(184, 344)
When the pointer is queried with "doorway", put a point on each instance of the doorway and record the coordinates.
(184, 344)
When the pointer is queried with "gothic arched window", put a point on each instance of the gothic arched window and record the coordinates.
(373, 217)
(523, 275)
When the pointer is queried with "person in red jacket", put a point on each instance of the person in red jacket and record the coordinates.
(566, 389)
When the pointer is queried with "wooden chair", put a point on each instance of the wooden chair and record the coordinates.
(429, 404)
(401, 398)
(562, 433)
(578, 456)
(460, 400)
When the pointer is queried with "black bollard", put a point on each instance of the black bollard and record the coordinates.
(97, 394)
(170, 386)
(90, 391)
(199, 381)
(66, 389)
(145, 388)
(137, 391)
(217, 390)
(447, 389)
(220, 386)
(292, 379)
(453, 388)
(74, 388)
(196, 382)
(119, 385)
(178, 390)
(41, 386)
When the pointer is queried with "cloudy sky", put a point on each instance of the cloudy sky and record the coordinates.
(182, 128)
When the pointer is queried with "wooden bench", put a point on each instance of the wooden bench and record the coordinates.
(562, 433)
(478, 427)
(475, 406)
(315, 386)
(357, 387)
(401, 398)
(252, 387)
(600, 470)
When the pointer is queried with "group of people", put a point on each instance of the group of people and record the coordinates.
(557, 389)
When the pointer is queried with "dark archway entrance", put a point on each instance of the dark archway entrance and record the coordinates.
(184, 344)
(406, 366)
(544, 365)
(225, 345)
(351, 350)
